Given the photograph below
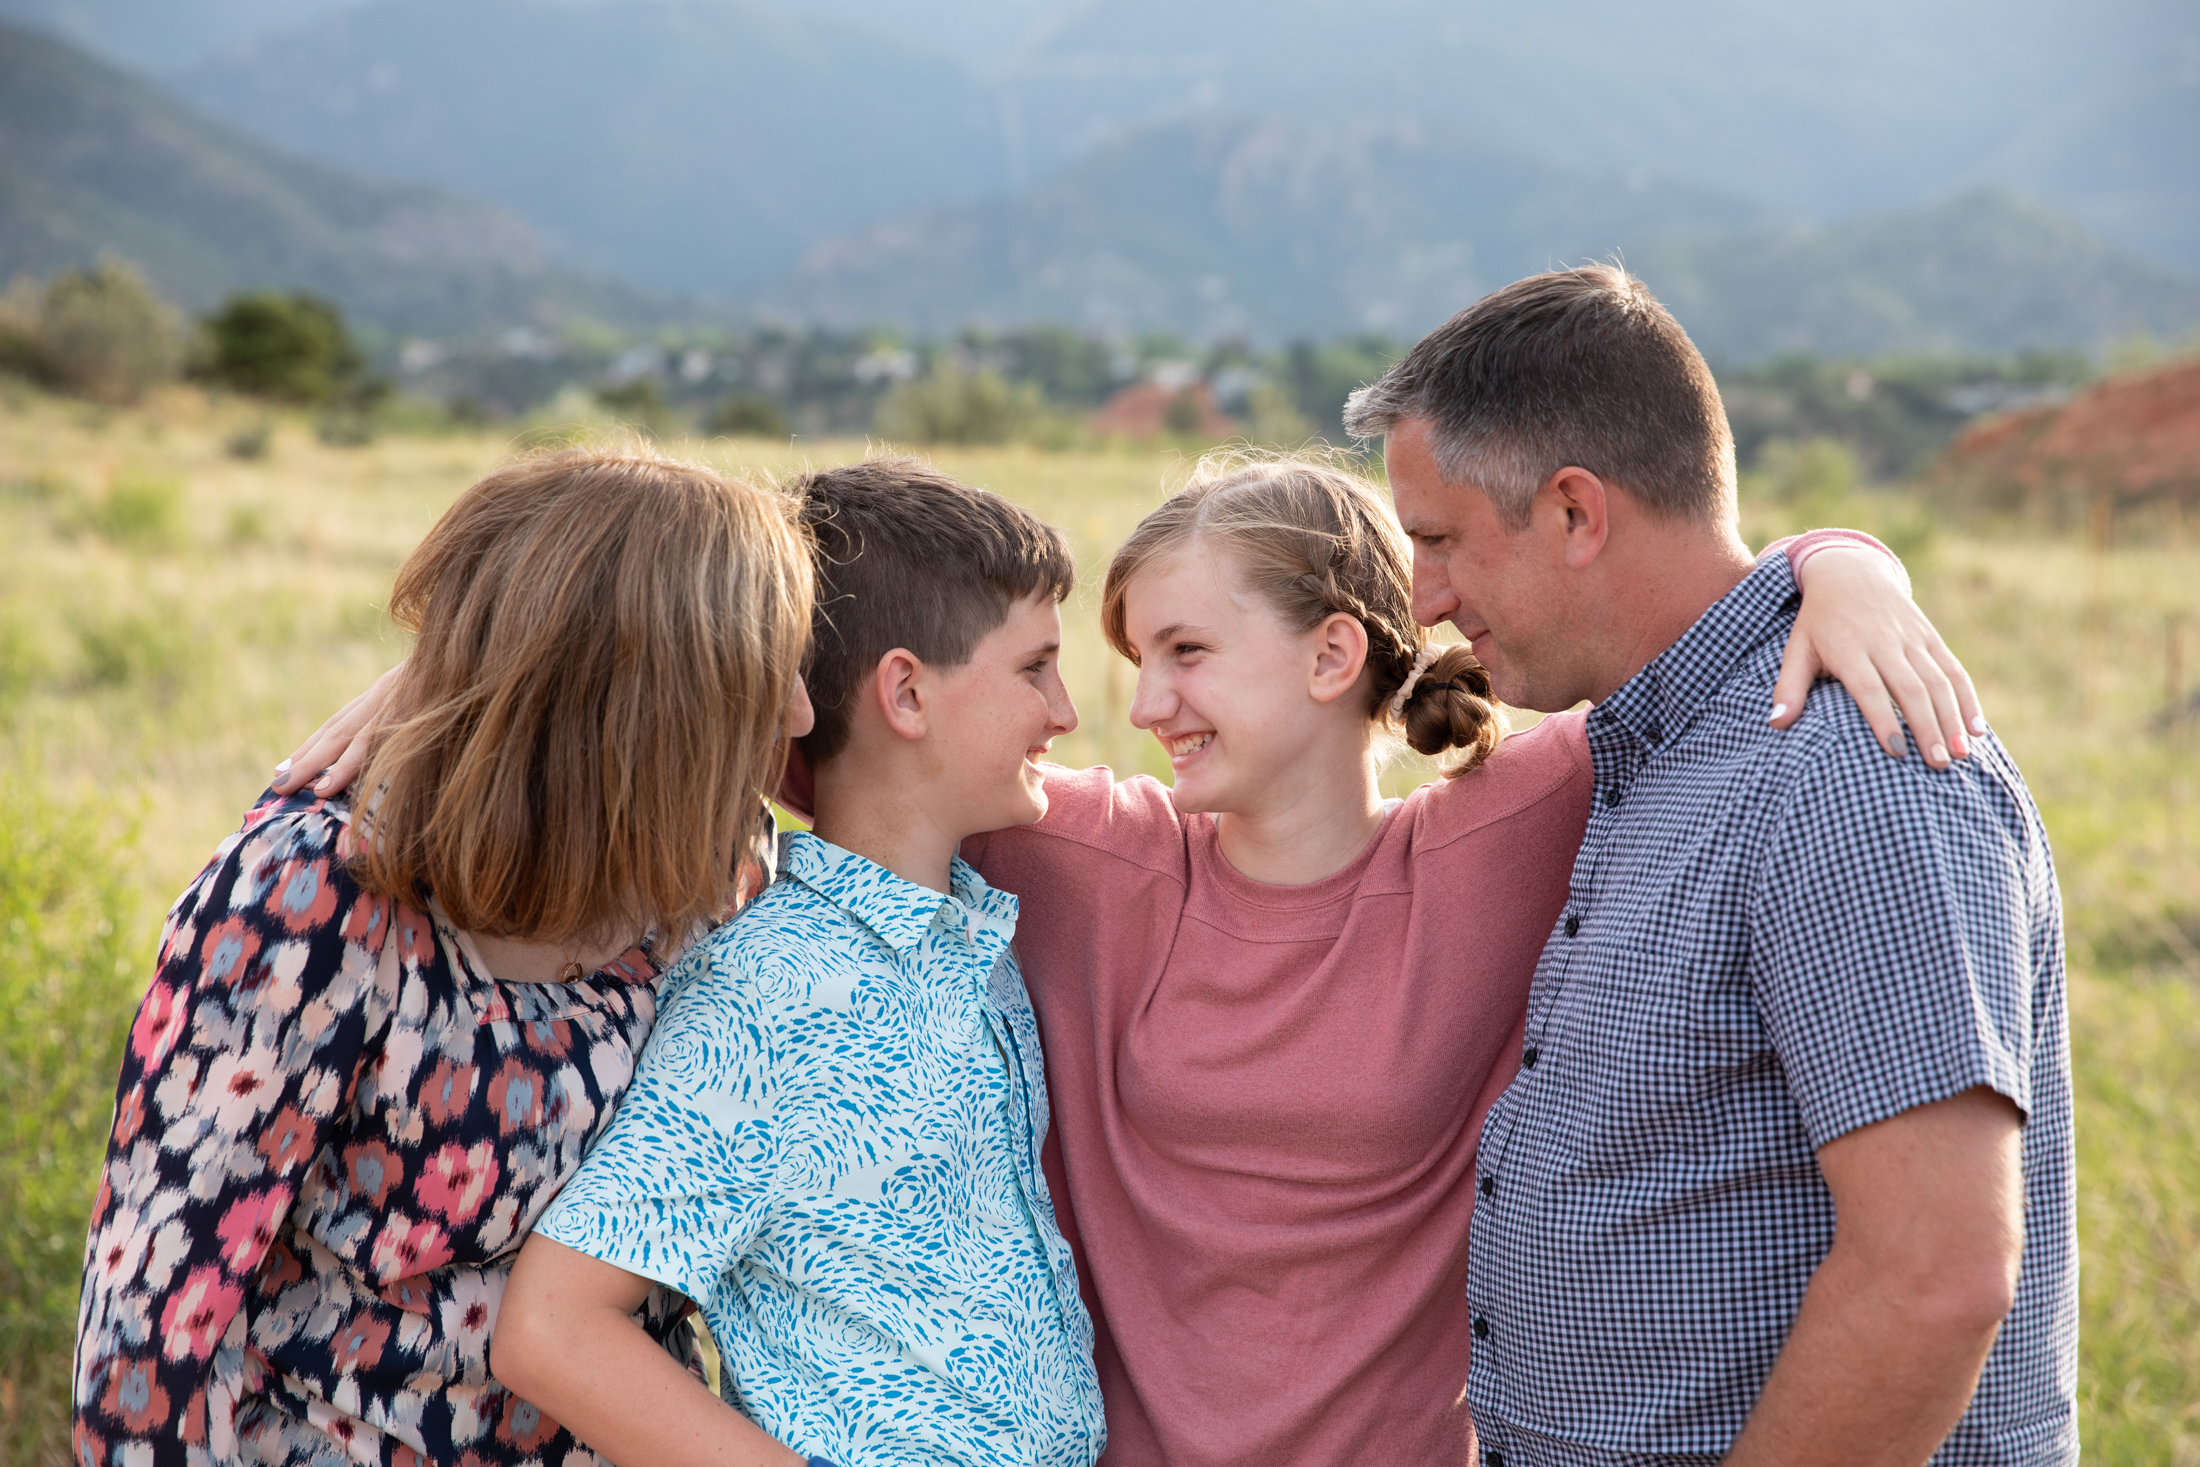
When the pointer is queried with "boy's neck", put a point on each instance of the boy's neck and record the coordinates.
(868, 810)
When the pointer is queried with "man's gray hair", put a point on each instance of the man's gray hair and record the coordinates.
(1571, 369)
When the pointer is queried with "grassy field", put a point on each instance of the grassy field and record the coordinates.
(174, 617)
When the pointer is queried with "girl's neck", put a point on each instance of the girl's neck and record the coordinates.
(1315, 824)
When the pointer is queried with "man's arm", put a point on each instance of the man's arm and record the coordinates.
(1897, 1322)
(566, 1340)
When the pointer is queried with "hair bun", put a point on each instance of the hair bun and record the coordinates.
(1451, 708)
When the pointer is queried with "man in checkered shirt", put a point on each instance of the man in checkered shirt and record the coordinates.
(1785, 1175)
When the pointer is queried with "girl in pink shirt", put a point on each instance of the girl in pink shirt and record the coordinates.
(1275, 1006)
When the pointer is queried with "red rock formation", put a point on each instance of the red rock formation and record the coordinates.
(2120, 444)
(1142, 410)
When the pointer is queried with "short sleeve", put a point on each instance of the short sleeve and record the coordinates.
(682, 1182)
(1895, 920)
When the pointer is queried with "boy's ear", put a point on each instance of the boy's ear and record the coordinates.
(899, 691)
(1340, 654)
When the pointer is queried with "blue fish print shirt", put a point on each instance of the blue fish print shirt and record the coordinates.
(832, 1145)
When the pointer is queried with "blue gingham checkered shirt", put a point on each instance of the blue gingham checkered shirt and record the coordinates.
(1771, 939)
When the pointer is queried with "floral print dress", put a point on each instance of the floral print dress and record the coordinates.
(333, 1131)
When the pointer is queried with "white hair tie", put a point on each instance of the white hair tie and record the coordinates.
(1429, 653)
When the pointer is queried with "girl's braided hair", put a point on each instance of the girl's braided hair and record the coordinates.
(1315, 539)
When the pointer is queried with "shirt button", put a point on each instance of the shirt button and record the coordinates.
(1494, 1457)
(1489, 1185)
(1481, 1328)
(1611, 797)
(1528, 1057)
(1573, 924)
(1652, 734)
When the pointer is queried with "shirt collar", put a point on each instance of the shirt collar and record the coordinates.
(1658, 701)
(901, 912)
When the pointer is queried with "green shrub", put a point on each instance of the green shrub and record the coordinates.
(952, 405)
(639, 404)
(292, 348)
(251, 441)
(748, 415)
(137, 513)
(73, 956)
(100, 334)
(153, 652)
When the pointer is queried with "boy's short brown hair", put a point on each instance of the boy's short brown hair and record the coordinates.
(908, 557)
(605, 642)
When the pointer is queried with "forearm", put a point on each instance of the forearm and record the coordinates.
(1897, 1322)
(1872, 1375)
(595, 1371)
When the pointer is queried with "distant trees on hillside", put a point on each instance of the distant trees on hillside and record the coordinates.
(286, 346)
(99, 333)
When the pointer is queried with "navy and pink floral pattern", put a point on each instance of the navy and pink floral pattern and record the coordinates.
(332, 1133)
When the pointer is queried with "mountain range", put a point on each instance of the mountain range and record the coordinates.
(816, 116)
(95, 162)
(1787, 176)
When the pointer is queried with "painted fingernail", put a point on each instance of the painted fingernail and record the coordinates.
(283, 768)
(1779, 711)
(1940, 753)
(1960, 747)
(1978, 724)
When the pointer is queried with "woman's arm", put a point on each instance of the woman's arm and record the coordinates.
(1859, 625)
(566, 1339)
(230, 1086)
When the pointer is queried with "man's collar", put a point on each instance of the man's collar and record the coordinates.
(899, 911)
(1658, 701)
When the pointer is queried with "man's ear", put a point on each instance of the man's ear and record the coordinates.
(1578, 505)
(899, 693)
(1340, 653)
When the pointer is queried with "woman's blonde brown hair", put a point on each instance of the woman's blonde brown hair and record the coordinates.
(1314, 539)
(605, 642)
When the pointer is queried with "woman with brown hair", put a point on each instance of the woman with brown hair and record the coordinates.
(383, 1032)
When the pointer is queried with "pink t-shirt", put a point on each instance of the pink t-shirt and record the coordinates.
(1267, 1098)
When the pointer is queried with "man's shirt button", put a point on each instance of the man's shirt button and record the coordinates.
(1611, 797)
(1489, 1185)
(1652, 734)
(1573, 924)
(1494, 1457)
(1481, 1328)
(1528, 1057)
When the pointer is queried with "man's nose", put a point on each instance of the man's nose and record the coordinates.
(1062, 709)
(1434, 602)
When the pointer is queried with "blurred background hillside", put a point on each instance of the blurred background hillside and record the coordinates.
(282, 276)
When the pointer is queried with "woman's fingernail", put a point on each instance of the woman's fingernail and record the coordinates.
(283, 768)
(1959, 747)
(1779, 711)
(1940, 753)
(1978, 724)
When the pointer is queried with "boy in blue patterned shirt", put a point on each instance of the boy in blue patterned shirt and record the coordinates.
(832, 1140)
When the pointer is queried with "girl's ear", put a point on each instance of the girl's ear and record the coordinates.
(1339, 644)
